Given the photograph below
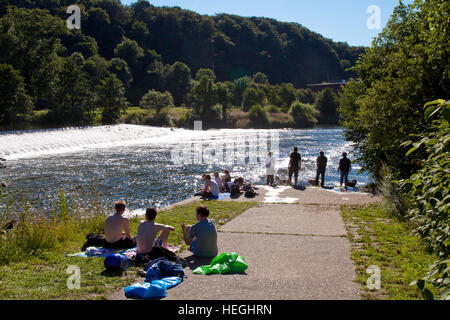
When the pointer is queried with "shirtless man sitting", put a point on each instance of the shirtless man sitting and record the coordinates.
(117, 229)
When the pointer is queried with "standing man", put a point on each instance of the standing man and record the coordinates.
(345, 166)
(294, 165)
(270, 169)
(321, 164)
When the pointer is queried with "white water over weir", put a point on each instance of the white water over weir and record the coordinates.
(34, 143)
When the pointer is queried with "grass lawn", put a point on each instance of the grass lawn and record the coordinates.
(379, 239)
(42, 275)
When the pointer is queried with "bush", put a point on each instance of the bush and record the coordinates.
(156, 100)
(160, 119)
(258, 116)
(304, 114)
(429, 194)
(281, 120)
(273, 109)
(35, 233)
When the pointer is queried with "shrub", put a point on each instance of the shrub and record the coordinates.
(273, 109)
(429, 193)
(156, 100)
(303, 114)
(281, 120)
(258, 116)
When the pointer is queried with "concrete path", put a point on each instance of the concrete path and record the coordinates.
(296, 250)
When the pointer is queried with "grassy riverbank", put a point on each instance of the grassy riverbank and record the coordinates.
(33, 263)
(380, 239)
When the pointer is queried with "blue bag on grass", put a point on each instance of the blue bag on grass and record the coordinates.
(146, 290)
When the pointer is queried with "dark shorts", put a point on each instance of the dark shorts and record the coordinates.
(121, 244)
(293, 170)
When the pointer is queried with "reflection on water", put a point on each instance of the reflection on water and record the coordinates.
(134, 162)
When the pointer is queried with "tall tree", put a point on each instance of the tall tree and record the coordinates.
(178, 81)
(111, 98)
(15, 104)
(406, 67)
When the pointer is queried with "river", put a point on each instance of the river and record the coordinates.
(152, 166)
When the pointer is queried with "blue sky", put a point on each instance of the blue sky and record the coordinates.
(340, 20)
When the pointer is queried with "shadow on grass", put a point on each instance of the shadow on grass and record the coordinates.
(113, 273)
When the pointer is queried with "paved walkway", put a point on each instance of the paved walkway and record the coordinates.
(295, 250)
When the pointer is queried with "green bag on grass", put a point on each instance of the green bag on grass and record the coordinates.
(224, 263)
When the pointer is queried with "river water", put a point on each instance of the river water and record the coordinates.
(150, 166)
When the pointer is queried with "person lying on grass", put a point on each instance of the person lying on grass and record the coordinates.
(148, 230)
(117, 229)
(202, 236)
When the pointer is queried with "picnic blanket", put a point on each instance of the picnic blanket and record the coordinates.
(224, 263)
(221, 196)
(100, 252)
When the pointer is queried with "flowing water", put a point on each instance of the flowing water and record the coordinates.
(150, 166)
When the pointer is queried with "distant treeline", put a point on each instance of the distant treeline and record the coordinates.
(132, 55)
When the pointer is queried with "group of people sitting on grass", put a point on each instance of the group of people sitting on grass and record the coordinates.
(295, 166)
(201, 237)
(223, 183)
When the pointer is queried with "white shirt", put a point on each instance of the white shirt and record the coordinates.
(219, 182)
(270, 171)
(214, 188)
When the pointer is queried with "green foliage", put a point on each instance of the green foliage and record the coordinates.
(258, 116)
(157, 101)
(252, 96)
(111, 98)
(327, 103)
(282, 96)
(178, 81)
(137, 42)
(204, 96)
(73, 97)
(406, 66)
(260, 78)
(15, 104)
(304, 114)
(205, 72)
(429, 193)
(306, 96)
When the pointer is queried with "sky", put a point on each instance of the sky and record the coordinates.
(340, 20)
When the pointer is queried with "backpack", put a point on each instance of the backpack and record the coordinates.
(116, 262)
(250, 193)
(93, 240)
(235, 190)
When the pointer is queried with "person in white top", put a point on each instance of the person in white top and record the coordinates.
(270, 169)
(219, 181)
(148, 230)
(117, 229)
(211, 187)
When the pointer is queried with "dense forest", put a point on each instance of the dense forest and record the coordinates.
(227, 69)
(398, 116)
